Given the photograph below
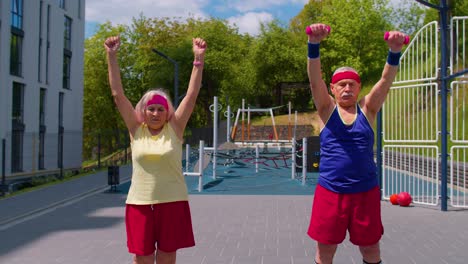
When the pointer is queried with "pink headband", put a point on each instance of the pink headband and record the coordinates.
(345, 75)
(158, 99)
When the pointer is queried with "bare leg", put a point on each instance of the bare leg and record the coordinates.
(371, 254)
(165, 257)
(143, 259)
(325, 253)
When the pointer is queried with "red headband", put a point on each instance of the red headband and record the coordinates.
(345, 75)
(158, 99)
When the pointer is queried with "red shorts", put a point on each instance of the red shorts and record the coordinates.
(334, 213)
(169, 225)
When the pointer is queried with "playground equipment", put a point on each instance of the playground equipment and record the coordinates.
(203, 159)
(412, 128)
(241, 112)
(229, 153)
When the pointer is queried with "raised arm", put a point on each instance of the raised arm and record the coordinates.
(373, 101)
(322, 99)
(185, 109)
(126, 109)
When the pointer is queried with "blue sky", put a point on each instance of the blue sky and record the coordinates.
(246, 14)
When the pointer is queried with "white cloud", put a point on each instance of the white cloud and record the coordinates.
(250, 22)
(246, 14)
(249, 5)
(122, 11)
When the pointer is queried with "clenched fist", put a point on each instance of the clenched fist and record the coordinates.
(112, 44)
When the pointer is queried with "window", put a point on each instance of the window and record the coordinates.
(60, 131)
(67, 54)
(79, 9)
(66, 71)
(17, 111)
(17, 14)
(48, 45)
(67, 34)
(16, 53)
(17, 128)
(42, 104)
(42, 128)
(61, 4)
(39, 53)
(16, 45)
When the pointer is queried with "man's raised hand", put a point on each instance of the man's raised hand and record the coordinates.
(317, 32)
(396, 40)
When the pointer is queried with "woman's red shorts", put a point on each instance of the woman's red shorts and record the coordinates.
(167, 225)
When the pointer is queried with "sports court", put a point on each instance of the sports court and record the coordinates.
(46, 226)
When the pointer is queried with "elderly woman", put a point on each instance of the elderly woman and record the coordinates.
(157, 216)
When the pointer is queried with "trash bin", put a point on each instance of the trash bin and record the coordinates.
(113, 177)
(313, 154)
(4, 188)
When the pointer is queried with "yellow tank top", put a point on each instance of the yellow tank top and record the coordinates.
(157, 167)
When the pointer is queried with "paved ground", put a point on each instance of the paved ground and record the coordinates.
(80, 222)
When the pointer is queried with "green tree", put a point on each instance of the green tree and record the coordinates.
(356, 39)
(408, 16)
(225, 63)
(237, 66)
(100, 116)
(280, 57)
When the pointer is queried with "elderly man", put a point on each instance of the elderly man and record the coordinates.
(347, 196)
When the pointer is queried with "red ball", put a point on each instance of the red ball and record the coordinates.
(404, 199)
(394, 199)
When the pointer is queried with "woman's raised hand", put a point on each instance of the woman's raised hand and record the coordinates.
(199, 48)
(112, 44)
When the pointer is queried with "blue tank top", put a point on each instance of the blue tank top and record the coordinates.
(346, 155)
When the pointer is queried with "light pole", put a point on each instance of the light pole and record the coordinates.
(176, 76)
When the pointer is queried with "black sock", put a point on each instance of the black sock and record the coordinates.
(365, 262)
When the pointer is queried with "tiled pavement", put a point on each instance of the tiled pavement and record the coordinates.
(69, 227)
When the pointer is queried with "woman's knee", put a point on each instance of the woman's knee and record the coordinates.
(325, 253)
(326, 248)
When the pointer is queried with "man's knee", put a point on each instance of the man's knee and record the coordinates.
(370, 250)
(371, 254)
(165, 257)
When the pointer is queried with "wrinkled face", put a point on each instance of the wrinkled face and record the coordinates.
(346, 92)
(155, 116)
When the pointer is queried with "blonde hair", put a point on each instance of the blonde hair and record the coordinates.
(141, 105)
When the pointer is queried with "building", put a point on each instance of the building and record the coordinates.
(41, 85)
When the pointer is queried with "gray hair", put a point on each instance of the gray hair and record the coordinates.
(343, 69)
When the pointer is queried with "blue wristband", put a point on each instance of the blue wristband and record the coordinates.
(393, 58)
(313, 50)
